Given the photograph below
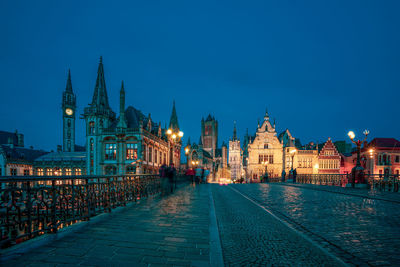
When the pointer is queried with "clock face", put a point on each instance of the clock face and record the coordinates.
(69, 111)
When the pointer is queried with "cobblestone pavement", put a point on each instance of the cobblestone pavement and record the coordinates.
(372, 194)
(173, 231)
(362, 230)
(252, 237)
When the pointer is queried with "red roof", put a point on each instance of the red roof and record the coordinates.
(385, 142)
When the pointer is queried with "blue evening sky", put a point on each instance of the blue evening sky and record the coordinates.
(320, 67)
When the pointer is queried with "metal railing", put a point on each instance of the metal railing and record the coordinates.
(34, 205)
(324, 179)
(383, 182)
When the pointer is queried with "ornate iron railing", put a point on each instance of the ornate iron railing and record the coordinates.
(384, 182)
(324, 179)
(34, 205)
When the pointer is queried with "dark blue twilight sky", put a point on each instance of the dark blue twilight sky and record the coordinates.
(321, 67)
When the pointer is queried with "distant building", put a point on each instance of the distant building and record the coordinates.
(206, 153)
(329, 159)
(130, 143)
(14, 158)
(235, 156)
(384, 159)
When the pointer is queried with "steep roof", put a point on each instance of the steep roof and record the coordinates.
(133, 117)
(100, 98)
(20, 154)
(63, 156)
(385, 143)
(173, 122)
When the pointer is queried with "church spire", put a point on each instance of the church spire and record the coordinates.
(234, 138)
(122, 121)
(68, 88)
(173, 122)
(100, 98)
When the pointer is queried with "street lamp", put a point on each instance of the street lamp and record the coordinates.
(358, 170)
(187, 150)
(175, 136)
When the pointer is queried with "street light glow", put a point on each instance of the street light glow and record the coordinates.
(169, 131)
(293, 151)
(174, 136)
(351, 134)
(180, 134)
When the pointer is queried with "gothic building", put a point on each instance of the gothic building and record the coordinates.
(206, 153)
(235, 156)
(131, 143)
(268, 152)
(125, 144)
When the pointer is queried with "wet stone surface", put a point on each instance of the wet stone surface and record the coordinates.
(251, 236)
(173, 231)
(360, 230)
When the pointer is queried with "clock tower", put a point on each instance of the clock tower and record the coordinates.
(68, 110)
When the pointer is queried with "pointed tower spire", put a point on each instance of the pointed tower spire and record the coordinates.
(68, 88)
(234, 138)
(266, 117)
(173, 122)
(121, 121)
(100, 98)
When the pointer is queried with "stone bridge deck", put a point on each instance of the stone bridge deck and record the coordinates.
(250, 224)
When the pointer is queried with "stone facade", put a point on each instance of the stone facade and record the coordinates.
(235, 156)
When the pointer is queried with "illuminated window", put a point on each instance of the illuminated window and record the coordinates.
(49, 172)
(131, 151)
(57, 172)
(68, 171)
(39, 171)
(78, 171)
(110, 151)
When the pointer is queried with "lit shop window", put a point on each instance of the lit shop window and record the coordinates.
(131, 151)
(111, 151)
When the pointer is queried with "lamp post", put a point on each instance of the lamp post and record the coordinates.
(292, 152)
(187, 150)
(265, 170)
(371, 162)
(174, 136)
(358, 170)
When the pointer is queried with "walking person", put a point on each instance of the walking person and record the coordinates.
(171, 176)
(283, 176)
(294, 175)
(198, 175)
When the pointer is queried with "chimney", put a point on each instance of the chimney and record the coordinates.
(20, 140)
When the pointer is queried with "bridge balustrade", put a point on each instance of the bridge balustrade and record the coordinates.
(34, 205)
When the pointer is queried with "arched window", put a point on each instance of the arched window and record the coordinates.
(110, 151)
(78, 171)
(91, 127)
(49, 172)
(39, 171)
(57, 171)
(68, 171)
(69, 123)
(265, 146)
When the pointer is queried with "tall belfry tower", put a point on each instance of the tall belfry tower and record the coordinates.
(68, 110)
(98, 116)
(209, 134)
